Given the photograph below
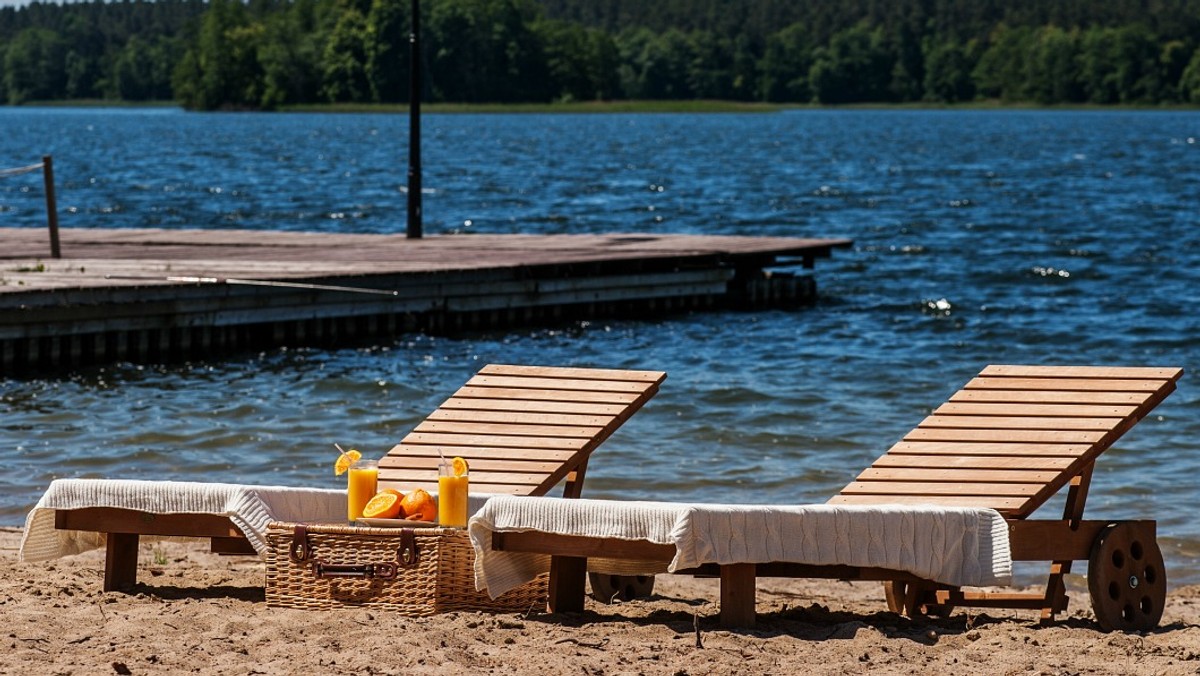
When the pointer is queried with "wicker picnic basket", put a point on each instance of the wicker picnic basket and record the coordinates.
(415, 571)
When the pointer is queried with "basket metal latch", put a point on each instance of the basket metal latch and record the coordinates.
(406, 553)
(377, 571)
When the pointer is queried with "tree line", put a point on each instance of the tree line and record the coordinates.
(263, 54)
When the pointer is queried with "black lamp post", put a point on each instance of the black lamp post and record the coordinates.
(414, 124)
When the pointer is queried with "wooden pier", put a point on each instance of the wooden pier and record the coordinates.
(163, 295)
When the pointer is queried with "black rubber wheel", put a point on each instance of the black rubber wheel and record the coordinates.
(1126, 578)
(608, 588)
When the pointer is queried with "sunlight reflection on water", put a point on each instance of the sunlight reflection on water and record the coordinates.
(980, 237)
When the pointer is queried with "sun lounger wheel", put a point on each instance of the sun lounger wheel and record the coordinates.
(1126, 578)
(607, 588)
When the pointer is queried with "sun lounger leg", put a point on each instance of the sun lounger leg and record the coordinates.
(893, 592)
(737, 595)
(573, 486)
(567, 575)
(1056, 588)
(120, 562)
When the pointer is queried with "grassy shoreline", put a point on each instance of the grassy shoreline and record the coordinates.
(630, 106)
(693, 106)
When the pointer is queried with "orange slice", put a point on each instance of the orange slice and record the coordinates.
(384, 505)
(345, 460)
(459, 467)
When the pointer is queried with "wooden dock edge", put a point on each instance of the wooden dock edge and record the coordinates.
(69, 315)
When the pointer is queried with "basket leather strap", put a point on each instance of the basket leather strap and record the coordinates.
(407, 554)
(299, 551)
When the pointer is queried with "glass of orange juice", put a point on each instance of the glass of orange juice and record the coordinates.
(360, 487)
(452, 495)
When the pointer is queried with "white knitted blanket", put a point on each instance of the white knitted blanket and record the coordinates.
(250, 508)
(956, 546)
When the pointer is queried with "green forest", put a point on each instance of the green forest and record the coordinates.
(267, 54)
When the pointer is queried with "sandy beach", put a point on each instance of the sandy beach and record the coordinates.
(195, 612)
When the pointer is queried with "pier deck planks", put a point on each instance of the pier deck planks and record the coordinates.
(111, 283)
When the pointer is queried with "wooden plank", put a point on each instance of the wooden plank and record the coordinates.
(469, 452)
(998, 448)
(575, 373)
(920, 488)
(556, 384)
(443, 427)
(492, 441)
(1080, 384)
(422, 476)
(1046, 540)
(429, 463)
(605, 295)
(1023, 462)
(114, 520)
(957, 475)
(1002, 505)
(1104, 372)
(521, 418)
(1017, 423)
(977, 599)
(1006, 436)
(406, 480)
(404, 485)
(581, 546)
(1098, 398)
(232, 547)
(527, 394)
(532, 406)
(1034, 410)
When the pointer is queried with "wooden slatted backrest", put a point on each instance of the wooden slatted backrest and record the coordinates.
(1013, 437)
(522, 429)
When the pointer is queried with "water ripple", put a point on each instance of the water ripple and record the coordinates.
(980, 237)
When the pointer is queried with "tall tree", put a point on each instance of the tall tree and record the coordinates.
(388, 61)
(948, 67)
(484, 51)
(290, 58)
(1189, 81)
(785, 65)
(854, 68)
(221, 68)
(34, 66)
(1002, 70)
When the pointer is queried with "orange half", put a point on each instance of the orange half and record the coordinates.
(384, 505)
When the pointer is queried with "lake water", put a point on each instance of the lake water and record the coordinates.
(980, 237)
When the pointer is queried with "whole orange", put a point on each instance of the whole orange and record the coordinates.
(419, 506)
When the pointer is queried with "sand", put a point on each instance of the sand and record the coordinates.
(195, 612)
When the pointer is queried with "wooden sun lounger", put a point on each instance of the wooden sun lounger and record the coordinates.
(523, 429)
(1010, 440)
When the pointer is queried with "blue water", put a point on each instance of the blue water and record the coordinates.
(980, 237)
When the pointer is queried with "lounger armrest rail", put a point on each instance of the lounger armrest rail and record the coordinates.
(130, 521)
(1055, 540)
(553, 544)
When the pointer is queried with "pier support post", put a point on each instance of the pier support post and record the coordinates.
(51, 205)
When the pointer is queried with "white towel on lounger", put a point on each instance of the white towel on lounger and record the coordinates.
(956, 546)
(250, 508)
